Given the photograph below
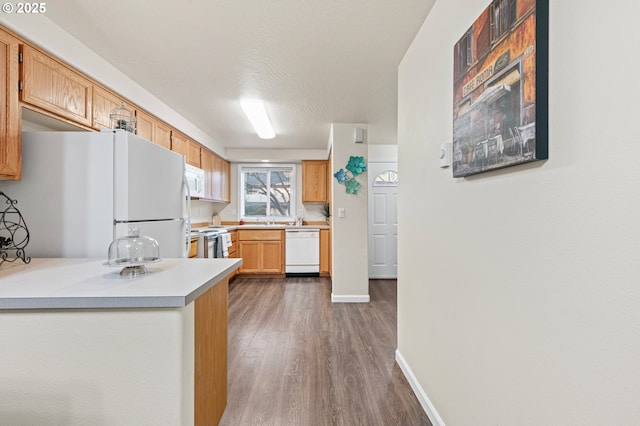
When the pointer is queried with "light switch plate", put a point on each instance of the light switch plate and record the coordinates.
(445, 155)
(341, 212)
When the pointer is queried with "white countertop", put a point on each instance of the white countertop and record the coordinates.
(266, 227)
(87, 283)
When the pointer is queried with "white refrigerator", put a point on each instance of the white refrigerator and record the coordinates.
(81, 190)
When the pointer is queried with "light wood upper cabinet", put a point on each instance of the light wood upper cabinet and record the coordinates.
(162, 135)
(193, 153)
(314, 181)
(103, 103)
(152, 129)
(145, 125)
(179, 143)
(217, 178)
(207, 163)
(217, 173)
(52, 86)
(10, 127)
(185, 146)
(226, 181)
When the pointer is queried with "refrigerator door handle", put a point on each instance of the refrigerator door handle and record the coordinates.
(187, 237)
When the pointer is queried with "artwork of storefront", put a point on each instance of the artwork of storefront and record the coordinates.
(500, 84)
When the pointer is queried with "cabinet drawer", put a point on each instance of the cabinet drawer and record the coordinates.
(260, 235)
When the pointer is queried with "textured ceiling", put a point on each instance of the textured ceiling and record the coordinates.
(313, 62)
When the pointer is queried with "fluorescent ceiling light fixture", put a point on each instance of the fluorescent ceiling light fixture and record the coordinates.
(254, 109)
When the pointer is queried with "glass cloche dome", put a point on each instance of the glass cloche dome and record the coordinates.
(133, 252)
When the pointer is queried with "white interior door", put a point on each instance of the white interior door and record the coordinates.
(383, 220)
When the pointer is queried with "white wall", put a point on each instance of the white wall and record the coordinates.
(382, 153)
(350, 273)
(518, 295)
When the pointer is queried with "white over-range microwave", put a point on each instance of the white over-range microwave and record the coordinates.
(195, 180)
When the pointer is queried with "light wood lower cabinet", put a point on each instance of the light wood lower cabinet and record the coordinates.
(10, 131)
(211, 326)
(193, 249)
(233, 252)
(262, 251)
(325, 252)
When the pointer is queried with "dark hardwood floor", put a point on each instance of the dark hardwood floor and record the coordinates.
(297, 359)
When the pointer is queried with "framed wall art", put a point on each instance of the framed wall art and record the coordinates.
(500, 88)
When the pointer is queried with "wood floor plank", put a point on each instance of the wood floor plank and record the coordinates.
(297, 359)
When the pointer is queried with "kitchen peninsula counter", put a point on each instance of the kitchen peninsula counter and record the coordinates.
(87, 283)
(82, 345)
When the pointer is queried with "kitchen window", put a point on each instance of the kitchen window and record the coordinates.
(267, 191)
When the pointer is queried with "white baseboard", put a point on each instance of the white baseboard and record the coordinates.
(426, 403)
(356, 298)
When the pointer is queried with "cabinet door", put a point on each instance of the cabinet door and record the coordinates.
(206, 160)
(314, 181)
(233, 252)
(325, 251)
(226, 181)
(179, 143)
(193, 249)
(217, 178)
(249, 251)
(210, 352)
(162, 134)
(145, 125)
(52, 86)
(103, 103)
(233, 249)
(193, 153)
(10, 127)
(272, 258)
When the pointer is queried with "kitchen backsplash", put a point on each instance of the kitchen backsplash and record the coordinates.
(230, 213)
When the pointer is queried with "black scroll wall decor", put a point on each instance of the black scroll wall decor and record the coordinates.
(14, 235)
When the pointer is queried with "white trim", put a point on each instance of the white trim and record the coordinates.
(424, 400)
(353, 298)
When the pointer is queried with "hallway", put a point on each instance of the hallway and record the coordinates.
(297, 359)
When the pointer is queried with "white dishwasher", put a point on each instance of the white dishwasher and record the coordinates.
(302, 251)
